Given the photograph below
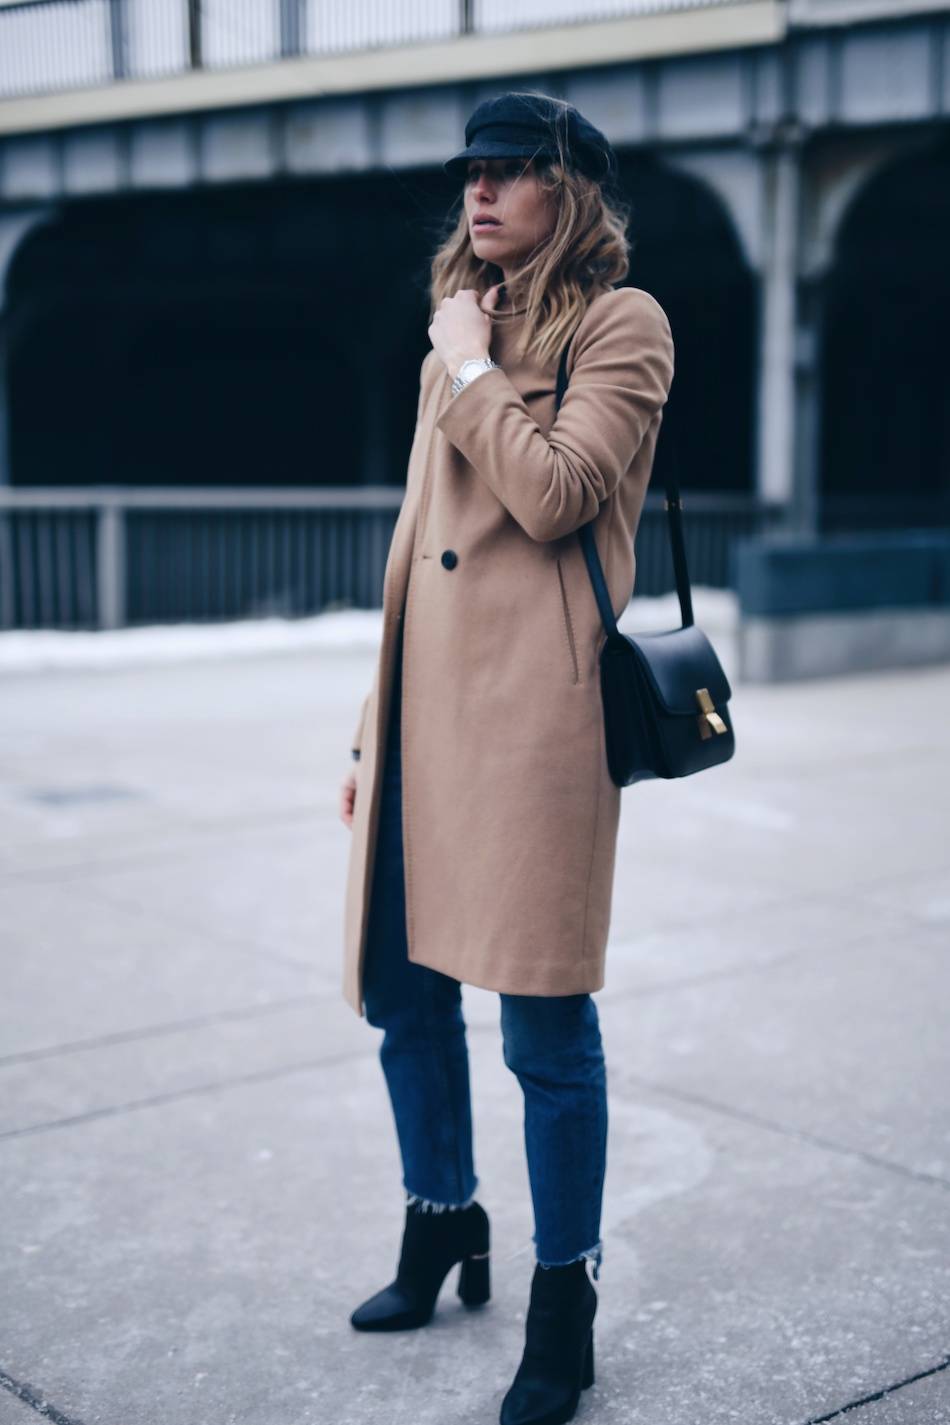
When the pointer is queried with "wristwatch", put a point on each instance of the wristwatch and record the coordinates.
(469, 370)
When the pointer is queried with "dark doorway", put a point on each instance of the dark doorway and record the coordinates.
(242, 336)
(886, 400)
(686, 252)
(272, 334)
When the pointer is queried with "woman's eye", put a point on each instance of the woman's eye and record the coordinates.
(512, 166)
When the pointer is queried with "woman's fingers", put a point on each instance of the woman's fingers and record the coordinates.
(348, 799)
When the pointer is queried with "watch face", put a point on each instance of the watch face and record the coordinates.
(468, 368)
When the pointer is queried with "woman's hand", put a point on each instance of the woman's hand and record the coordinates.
(348, 799)
(461, 328)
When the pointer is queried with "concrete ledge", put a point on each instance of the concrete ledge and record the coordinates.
(908, 568)
(784, 647)
(841, 603)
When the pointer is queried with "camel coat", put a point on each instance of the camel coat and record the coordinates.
(509, 813)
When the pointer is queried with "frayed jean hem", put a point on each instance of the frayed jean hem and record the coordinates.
(593, 1254)
(425, 1204)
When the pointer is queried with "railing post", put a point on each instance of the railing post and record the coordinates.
(110, 565)
(7, 586)
(466, 17)
(293, 28)
(5, 463)
(119, 39)
(194, 34)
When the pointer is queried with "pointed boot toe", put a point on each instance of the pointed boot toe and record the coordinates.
(432, 1244)
(391, 1309)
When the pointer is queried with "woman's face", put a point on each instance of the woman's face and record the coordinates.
(508, 191)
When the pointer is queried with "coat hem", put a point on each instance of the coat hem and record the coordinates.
(584, 983)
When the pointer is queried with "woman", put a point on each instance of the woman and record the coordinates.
(484, 825)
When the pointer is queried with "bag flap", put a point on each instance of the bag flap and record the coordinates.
(677, 663)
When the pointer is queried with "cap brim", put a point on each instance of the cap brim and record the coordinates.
(489, 148)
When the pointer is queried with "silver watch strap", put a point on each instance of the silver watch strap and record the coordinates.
(472, 372)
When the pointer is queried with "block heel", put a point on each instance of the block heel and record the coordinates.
(475, 1279)
(588, 1376)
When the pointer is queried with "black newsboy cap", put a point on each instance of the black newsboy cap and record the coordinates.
(522, 125)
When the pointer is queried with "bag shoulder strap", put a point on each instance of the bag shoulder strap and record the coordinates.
(674, 510)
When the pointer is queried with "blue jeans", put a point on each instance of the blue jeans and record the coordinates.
(551, 1043)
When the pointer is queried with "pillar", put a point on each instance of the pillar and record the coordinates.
(777, 468)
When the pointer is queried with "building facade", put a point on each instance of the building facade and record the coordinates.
(214, 234)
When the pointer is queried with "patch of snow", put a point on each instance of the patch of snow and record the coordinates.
(714, 610)
(36, 650)
(349, 630)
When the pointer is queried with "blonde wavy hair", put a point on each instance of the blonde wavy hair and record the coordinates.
(587, 252)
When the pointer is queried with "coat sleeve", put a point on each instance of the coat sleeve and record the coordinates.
(622, 370)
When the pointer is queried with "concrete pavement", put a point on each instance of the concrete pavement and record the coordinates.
(199, 1171)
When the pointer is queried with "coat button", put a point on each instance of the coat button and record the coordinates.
(449, 558)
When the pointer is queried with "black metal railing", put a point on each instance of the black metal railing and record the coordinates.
(51, 45)
(109, 557)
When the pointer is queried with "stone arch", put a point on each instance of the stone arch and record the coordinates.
(241, 334)
(692, 254)
(885, 429)
(15, 227)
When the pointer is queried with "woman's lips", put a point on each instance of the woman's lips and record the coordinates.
(485, 226)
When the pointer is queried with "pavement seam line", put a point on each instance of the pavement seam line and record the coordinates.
(174, 1095)
(262, 1076)
(157, 1031)
(738, 970)
(191, 926)
(30, 1396)
(195, 1090)
(802, 1134)
(253, 1011)
(879, 1394)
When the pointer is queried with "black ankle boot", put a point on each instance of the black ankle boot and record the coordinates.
(558, 1359)
(432, 1242)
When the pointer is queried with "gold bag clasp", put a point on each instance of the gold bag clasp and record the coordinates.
(709, 719)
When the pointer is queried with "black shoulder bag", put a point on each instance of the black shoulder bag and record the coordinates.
(665, 695)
